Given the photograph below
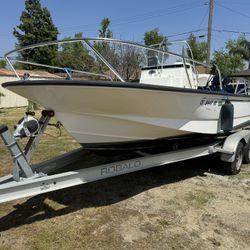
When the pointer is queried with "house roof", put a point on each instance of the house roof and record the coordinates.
(201, 69)
(32, 73)
(245, 72)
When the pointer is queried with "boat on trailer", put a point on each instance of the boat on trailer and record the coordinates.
(28, 180)
(169, 100)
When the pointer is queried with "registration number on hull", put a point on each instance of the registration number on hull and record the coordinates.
(211, 102)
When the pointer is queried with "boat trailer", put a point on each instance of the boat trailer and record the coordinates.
(28, 180)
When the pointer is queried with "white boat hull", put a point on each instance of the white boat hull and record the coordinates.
(98, 113)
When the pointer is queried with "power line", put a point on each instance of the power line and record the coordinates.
(216, 30)
(232, 10)
(144, 16)
(187, 32)
(203, 19)
(237, 2)
(232, 31)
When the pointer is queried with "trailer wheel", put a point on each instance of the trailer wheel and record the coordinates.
(246, 153)
(234, 167)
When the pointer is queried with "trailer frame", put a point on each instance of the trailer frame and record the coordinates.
(28, 180)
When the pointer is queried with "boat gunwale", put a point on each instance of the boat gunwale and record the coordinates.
(116, 84)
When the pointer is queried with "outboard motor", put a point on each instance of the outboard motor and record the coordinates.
(28, 126)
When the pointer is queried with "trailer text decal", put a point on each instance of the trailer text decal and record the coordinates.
(120, 167)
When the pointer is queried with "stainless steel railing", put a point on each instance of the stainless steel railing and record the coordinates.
(88, 42)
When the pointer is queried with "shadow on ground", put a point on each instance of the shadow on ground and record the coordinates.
(106, 192)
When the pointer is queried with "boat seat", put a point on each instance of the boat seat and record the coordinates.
(215, 85)
(216, 81)
(225, 85)
(226, 80)
(228, 88)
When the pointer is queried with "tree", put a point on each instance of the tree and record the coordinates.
(199, 49)
(74, 55)
(104, 47)
(124, 58)
(104, 31)
(2, 63)
(240, 47)
(154, 37)
(126, 61)
(36, 26)
(227, 63)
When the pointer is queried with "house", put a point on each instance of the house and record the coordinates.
(9, 99)
(243, 73)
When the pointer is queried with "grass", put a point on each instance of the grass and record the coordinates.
(164, 222)
(199, 198)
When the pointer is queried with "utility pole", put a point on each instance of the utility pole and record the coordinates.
(209, 30)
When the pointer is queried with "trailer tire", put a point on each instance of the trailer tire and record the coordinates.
(233, 168)
(246, 153)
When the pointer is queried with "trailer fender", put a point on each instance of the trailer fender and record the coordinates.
(231, 143)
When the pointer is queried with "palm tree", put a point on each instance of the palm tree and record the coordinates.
(240, 47)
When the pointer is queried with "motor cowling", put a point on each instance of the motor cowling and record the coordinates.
(28, 126)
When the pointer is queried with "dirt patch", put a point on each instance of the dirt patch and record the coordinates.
(189, 205)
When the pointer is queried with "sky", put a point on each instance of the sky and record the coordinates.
(130, 19)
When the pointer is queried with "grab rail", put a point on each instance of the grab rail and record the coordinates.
(60, 68)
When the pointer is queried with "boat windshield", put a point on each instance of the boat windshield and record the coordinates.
(109, 59)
